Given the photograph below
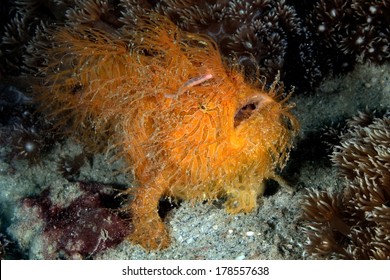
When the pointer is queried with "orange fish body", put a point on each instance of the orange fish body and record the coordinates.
(189, 127)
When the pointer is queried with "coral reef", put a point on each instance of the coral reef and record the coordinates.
(69, 167)
(304, 41)
(350, 31)
(258, 34)
(14, 106)
(89, 224)
(263, 36)
(28, 143)
(190, 127)
(355, 222)
(29, 135)
(317, 37)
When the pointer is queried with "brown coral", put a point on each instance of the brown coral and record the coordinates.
(316, 37)
(87, 225)
(351, 31)
(355, 224)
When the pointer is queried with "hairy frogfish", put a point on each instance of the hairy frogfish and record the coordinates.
(189, 126)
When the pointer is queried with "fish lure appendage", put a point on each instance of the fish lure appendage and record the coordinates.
(190, 83)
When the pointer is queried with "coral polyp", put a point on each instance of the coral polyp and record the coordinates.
(190, 127)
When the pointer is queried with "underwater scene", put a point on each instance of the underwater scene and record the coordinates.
(195, 130)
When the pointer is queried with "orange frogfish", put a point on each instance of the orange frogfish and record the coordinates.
(189, 126)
